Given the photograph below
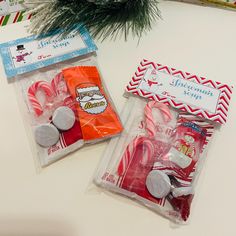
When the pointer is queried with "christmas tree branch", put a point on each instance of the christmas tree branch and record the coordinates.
(102, 17)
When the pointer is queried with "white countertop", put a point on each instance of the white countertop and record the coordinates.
(61, 200)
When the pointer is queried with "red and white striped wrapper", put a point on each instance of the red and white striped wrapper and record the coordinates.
(14, 17)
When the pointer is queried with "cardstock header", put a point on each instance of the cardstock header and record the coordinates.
(182, 90)
(28, 54)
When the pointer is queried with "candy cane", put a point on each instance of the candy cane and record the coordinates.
(43, 85)
(150, 124)
(58, 84)
(131, 149)
(150, 128)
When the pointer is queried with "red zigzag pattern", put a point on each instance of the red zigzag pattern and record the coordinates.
(223, 105)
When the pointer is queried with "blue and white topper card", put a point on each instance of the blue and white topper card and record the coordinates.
(31, 53)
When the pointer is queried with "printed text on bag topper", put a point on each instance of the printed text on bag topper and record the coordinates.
(180, 89)
(184, 91)
(31, 53)
(43, 49)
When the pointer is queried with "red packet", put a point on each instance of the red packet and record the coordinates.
(187, 145)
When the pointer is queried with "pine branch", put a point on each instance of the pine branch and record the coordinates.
(101, 17)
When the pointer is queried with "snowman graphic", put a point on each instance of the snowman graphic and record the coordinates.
(183, 151)
(186, 146)
(150, 82)
(22, 56)
(4, 7)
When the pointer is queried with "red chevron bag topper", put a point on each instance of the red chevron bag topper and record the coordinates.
(182, 90)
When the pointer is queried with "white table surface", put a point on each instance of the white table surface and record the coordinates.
(61, 201)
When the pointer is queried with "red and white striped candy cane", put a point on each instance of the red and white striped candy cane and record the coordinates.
(58, 84)
(43, 85)
(149, 120)
(130, 151)
(151, 131)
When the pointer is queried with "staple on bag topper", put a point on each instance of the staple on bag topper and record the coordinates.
(187, 92)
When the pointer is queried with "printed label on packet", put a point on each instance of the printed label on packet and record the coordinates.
(91, 99)
(187, 145)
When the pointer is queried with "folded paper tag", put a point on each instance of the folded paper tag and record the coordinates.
(181, 90)
(12, 11)
(31, 53)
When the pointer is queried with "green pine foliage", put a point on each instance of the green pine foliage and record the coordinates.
(103, 18)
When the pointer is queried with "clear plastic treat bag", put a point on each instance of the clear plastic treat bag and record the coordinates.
(62, 94)
(155, 159)
(168, 127)
(66, 106)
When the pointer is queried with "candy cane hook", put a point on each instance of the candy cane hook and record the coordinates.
(142, 140)
(149, 120)
(43, 85)
(58, 84)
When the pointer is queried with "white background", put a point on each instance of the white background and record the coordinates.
(60, 201)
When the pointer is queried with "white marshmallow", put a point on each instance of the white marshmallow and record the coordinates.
(46, 135)
(63, 118)
(179, 158)
(158, 184)
(182, 191)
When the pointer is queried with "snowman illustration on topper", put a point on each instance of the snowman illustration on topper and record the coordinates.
(21, 55)
(91, 99)
(150, 81)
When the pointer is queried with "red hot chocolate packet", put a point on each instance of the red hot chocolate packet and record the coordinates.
(188, 142)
